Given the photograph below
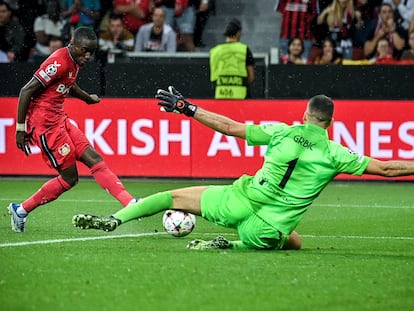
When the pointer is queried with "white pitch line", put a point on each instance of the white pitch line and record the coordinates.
(131, 235)
(92, 238)
(362, 205)
(358, 237)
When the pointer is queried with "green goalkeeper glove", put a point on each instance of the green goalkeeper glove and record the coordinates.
(173, 101)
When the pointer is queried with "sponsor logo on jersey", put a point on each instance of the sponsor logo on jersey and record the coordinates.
(64, 150)
(52, 69)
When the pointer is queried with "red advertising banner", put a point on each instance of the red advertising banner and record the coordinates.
(136, 139)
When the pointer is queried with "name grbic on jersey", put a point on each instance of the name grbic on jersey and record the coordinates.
(57, 74)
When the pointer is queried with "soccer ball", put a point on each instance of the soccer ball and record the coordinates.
(178, 223)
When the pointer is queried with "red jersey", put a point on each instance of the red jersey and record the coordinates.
(131, 22)
(296, 18)
(57, 74)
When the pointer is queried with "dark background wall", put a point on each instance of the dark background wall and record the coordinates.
(140, 77)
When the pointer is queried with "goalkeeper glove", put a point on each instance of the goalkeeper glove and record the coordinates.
(173, 101)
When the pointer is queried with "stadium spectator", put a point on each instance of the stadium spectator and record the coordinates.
(329, 54)
(27, 13)
(11, 35)
(385, 26)
(369, 14)
(266, 208)
(340, 20)
(47, 26)
(116, 36)
(404, 12)
(408, 54)
(180, 15)
(296, 23)
(42, 120)
(384, 54)
(232, 65)
(203, 9)
(295, 52)
(82, 12)
(156, 36)
(134, 13)
(55, 43)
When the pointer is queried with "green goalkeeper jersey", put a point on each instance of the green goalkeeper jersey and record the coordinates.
(299, 162)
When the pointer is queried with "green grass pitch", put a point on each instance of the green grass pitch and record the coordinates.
(358, 254)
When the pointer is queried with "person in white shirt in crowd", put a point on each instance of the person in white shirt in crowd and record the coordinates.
(48, 26)
(156, 36)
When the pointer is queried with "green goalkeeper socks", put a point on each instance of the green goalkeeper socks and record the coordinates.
(146, 207)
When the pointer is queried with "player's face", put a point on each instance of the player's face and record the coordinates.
(83, 51)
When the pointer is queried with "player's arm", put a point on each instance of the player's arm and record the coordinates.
(173, 101)
(76, 91)
(31, 89)
(220, 123)
(391, 168)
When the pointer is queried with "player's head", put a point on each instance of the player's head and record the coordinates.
(319, 111)
(83, 44)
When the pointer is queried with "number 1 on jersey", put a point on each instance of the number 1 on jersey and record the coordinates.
(291, 167)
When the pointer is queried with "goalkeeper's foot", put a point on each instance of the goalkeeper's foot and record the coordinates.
(88, 221)
(219, 242)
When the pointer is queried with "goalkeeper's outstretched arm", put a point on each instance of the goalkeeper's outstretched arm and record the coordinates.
(220, 123)
(392, 168)
(173, 101)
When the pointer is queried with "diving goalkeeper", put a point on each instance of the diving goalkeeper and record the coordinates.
(265, 208)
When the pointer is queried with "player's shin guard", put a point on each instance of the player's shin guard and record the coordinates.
(146, 207)
(111, 183)
(50, 191)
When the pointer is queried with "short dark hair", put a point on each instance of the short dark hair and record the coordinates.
(6, 4)
(233, 28)
(84, 33)
(321, 107)
(114, 16)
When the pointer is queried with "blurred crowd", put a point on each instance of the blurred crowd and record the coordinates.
(311, 31)
(346, 31)
(30, 30)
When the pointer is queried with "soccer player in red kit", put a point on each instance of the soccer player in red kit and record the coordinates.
(42, 120)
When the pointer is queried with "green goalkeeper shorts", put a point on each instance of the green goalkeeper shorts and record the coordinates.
(226, 206)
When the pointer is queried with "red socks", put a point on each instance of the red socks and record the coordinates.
(111, 183)
(50, 191)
